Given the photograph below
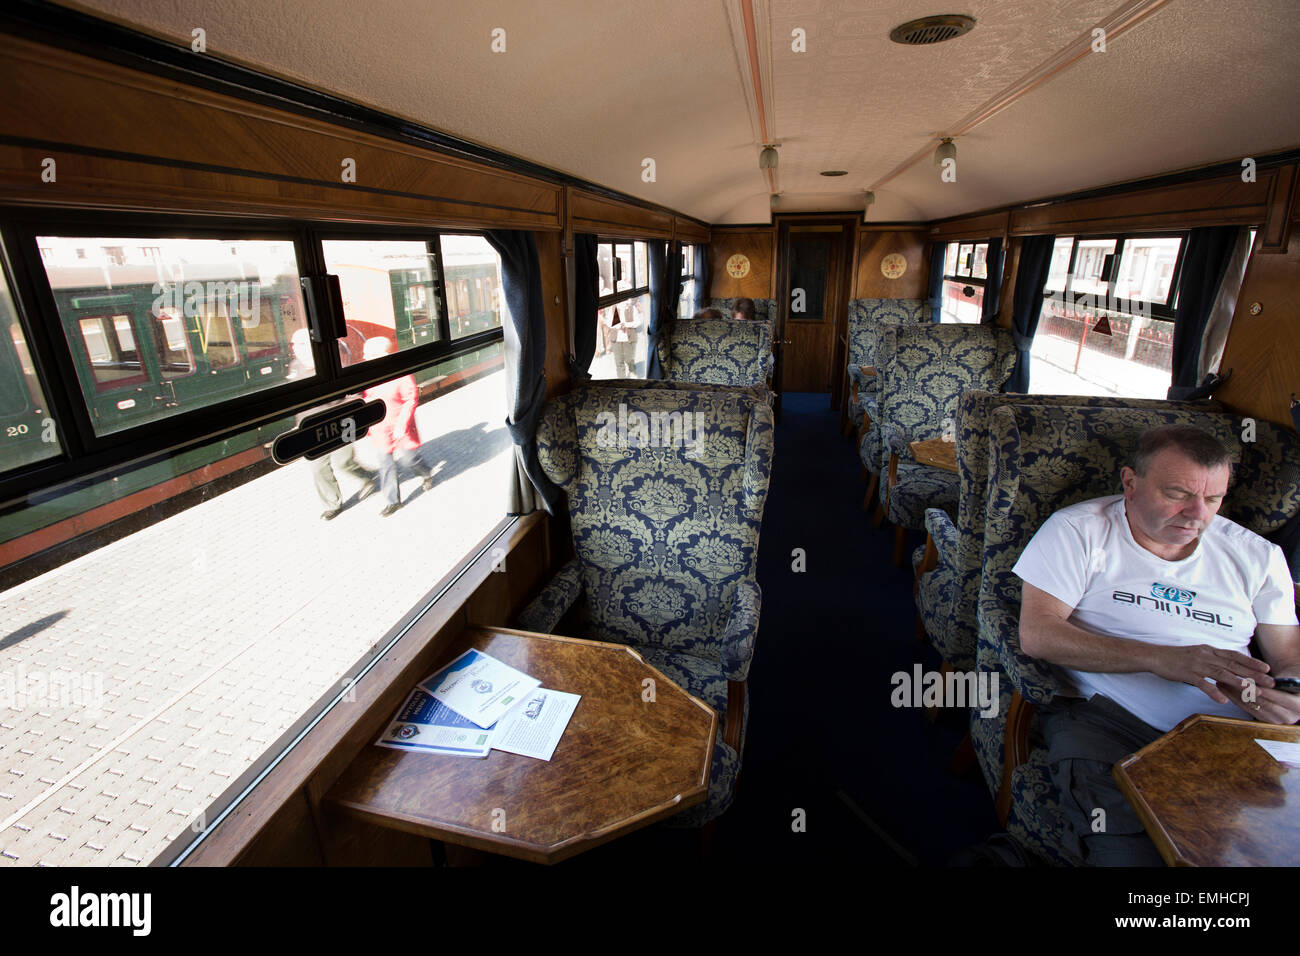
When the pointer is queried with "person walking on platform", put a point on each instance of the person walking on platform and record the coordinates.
(302, 365)
(396, 438)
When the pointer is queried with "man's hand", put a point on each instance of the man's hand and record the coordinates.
(1270, 706)
(1198, 665)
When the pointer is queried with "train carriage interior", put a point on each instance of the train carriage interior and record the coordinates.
(714, 361)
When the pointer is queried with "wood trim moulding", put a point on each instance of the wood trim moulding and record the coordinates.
(689, 231)
(1274, 236)
(225, 154)
(987, 226)
(1224, 201)
(608, 217)
(328, 747)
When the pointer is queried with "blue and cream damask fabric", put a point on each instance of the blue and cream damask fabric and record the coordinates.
(716, 352)
(666, 487)
(925, 370)
(1043, 458)
(866, 316)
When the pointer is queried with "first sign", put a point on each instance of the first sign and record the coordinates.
(325, 431)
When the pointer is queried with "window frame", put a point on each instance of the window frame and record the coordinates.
(1165, 311)
(614, 298)
(84, 454)
(688, 275)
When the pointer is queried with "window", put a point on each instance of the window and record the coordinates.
(623, 314)
(390, 291)
(965, 272)
(27, 433)
(474, 270)
(686, 307)
(1106, 327)
(211, 633)
(156, 327)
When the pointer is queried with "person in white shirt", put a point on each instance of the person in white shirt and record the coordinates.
(1149, 601)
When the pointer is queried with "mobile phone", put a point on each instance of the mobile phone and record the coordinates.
(1289, 684)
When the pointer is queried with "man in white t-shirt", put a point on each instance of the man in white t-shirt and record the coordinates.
(1149, 601)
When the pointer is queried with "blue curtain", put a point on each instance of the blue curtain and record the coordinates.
(993, 284)
(1027, 303)
(1205, 260)
(653, 368)
(525, 342)
(701, 270)
(935, 289)
(586, 292)
(665, 291)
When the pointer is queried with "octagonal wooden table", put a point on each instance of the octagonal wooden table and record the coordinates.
(623, 762)
(1209, 795)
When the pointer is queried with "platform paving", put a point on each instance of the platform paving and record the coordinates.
(140, 680)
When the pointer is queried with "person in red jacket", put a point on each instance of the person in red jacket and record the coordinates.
(396, 438)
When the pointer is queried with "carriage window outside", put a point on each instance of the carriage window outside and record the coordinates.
(1106, 327)
(475, 296)
(390, 291)
(965, 272)
(27, 432)
(157, 327)
(623, 314)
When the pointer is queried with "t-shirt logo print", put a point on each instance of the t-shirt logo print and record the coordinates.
(1171, 593)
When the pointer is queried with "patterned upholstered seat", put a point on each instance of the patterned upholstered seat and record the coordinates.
(1042, 459)
(716, 352)
(665, 537)
(926, 369)
(866, 317)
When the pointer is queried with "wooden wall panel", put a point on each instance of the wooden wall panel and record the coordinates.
(554, 293)
(687, 230)
(758, 244)
(609, 217)
(1212, 202)
(985, 226)
(873, 245)
(125, 139)
(1263, 350)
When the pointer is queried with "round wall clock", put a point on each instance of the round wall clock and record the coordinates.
(893, 265)
(738, 266)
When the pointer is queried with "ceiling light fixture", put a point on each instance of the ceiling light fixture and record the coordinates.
(767, 159)
(947, 150)
(834, 172)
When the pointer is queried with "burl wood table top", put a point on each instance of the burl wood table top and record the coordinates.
(935, 452)
(1209, 795)
(623, 762)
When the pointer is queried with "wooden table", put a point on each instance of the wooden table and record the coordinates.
(622, 763)
(935, 452)
(1209, 795)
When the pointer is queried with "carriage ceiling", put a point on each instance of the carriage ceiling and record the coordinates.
(594, 88)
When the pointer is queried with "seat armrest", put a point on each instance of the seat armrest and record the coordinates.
(544, 612)
(742, 631)
(894, 441)
(1033, 679)
(944, 535)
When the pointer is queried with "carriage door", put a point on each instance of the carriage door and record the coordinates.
(813, 258)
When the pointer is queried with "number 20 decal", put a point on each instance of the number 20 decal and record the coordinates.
(13, 431)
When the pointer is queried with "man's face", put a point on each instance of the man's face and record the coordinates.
(1174, 501)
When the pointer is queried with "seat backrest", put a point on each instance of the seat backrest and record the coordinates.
(764, 309)
(974, 408)
(866, 316)
(666, 488)
(716, 351)
(926, 367)
(1042, 459)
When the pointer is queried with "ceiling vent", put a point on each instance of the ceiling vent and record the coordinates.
(929, 30)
